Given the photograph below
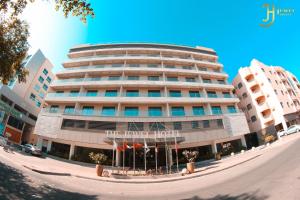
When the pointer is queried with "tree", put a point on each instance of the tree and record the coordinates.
(14, 33)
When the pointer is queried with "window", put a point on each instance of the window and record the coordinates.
(113, 78)
(221, 82)
(111, 93)
(117, 65)
(48, 79)
(177, 125)
(59, 93)
(195, 124)
(187, 67)
(16, 123)
(133, 78)
(135, 126)
(153, 93)
(281, 104)
(202, 69)
(42, 95)
(70, 123)
(276, 82)
(170, 66)
(175, 93)
(262, 69)
(240, 85)
(211, 94)
(96, 125)
(45, 71)
(152, 65)
(220, 123)
(45, 87)
(157, 126)
(41, 79)
(74, 93)
(69, 109)
(216, 110)
(253, 118)
(187, 79)
(245, 95)
(37, 87)
(282, 92)
(153, 78)
(154, 111)
(231, 109)
(206, 81)
(134, 65)
(32, 97)
(198, 110)
(269, 80)
(132, 93)
(178, 111)
(226, 94)
(194, 93)
(38, 103)
(288, 104)
(131, 111)
(249, 106)
(53, 109)
(275, 91)
(172, 78)
(91, 93)
(206, 124)
(87, 110)
(108, 111)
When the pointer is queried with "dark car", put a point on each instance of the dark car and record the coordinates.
(33, 150)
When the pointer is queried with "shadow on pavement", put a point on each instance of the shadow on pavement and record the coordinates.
(243, 196)
(14, 186)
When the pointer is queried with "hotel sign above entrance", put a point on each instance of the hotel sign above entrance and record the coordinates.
(143, 134)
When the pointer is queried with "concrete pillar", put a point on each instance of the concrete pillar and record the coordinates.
(214, 147)
(49, 144)
(72, 150)
(284, 125)
(118, 158)
(243, 140)
(209, 109)
(170, 157)
(39, 143)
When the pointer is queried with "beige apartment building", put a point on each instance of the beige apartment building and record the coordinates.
(269, 96)
(20, 103)
(140, 94)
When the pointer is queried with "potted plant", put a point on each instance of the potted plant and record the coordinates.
(218, 156)
(99, 159)
(191, 157)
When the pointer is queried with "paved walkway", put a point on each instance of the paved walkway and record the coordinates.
(61, 167)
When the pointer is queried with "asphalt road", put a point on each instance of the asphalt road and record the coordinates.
(274, 175)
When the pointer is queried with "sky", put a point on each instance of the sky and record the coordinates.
(230, 27)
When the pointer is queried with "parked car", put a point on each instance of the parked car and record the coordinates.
(3, 141)
(293, 129)
(281, 133)
(33, 150)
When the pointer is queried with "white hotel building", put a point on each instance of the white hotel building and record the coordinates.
(140, 87)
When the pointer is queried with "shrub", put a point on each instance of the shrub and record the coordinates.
(98, 158)
(190, 155)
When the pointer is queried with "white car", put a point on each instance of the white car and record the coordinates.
(33, 150)
(293, 129)
(281, 133)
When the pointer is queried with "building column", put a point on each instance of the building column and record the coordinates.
(214, 147)
(284, 125)
(39, 143)
(118, 158)
(170, 157)
(243, 140)
(49, 144)
(72, 150)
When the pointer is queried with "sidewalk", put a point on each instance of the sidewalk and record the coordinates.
(60, 167)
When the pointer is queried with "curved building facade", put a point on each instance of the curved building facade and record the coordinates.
(161, 96)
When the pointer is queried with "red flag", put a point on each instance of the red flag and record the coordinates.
(137, 145)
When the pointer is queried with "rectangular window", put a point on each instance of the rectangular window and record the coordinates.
(177, 125)
(108, 111)
(226, 95)
(88, 110)
(32, 97)
(154, 93)
(240, 85)
(113, 78)
(45, 87)
(187, 67)
(42, 95)
(198, 110)
(249, 106)
(170, 66)
(117, 65)
(38, 103)
(53, 109)
(45, 71)
(96, 125)
(37, 87)
(41, 79)
(175, 93)
(134, 65)
(195, 124)
(133, 78)
(194, 93)
(74, 93)
(132, 93)
(216, 110)
(178, 111)
(111, 93)
(157, 126)
(211, 94)
(206, 81)
(202, 69)
(135, 126)
(131, 111)
(187, 79)
(16, 123)
(221, 82)
(152, 65)
(154, 111)
(220, 123)
(91, 93)
(48, 79)
(69, 109)
(153, 78)
(231, 109)
(206, 124)
(172, 79)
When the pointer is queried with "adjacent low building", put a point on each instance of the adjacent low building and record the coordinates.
(150, 94)
(20, 103)
(269, 96)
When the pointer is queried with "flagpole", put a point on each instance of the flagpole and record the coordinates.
(176, 150)
(113, 156)
(133, 146)
(124, 156)
(145, 159)
(155, 155)
(166, 152)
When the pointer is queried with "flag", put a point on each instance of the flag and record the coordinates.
(115, 145)
(146, 146)
(137, 145)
